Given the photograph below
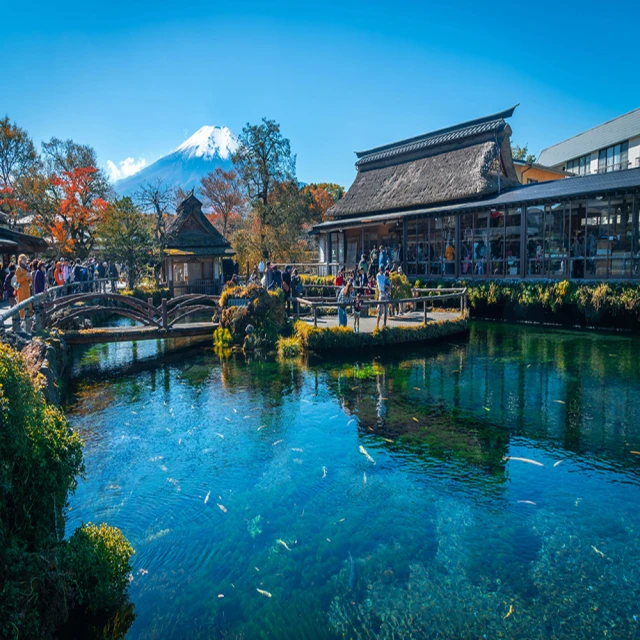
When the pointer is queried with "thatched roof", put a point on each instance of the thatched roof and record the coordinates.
(452, 164)
(190, 233)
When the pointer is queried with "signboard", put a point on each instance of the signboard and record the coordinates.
(237, 302)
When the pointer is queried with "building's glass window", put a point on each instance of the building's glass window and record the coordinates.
(580, 166)
(466, 245)
(449, 244)
(422, 247)
(435, 246)
(513, 222)
(480, 243)
(411, 248)
(621, 237)
(496, 242)
(614, 158)
(597, 234)
(576, 238)
(337, 249)
(555, 242)
(535, 241)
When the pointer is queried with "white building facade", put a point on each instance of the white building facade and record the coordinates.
(611, 146)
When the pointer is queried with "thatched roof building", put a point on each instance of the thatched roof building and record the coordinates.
(449, 204)
(468, 160)
(195, 250)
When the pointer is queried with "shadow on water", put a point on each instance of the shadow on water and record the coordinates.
(362, 496)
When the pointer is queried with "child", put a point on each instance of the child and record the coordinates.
(357, 308)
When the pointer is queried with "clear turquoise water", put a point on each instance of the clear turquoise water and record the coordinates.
(438, 536)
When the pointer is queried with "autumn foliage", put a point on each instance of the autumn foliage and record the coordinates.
(78, 213)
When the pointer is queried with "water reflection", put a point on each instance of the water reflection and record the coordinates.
(499, 494)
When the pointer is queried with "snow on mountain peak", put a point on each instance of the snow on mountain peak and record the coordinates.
(207, 141)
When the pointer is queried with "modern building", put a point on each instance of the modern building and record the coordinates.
(531, 173)
(612, 146)
(449, 204)
(196, 251)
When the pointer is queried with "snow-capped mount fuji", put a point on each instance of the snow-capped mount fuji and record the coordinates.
(208, 148)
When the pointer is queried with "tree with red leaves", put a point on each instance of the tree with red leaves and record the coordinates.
(77, 213)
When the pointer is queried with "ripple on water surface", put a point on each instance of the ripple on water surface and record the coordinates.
(474, 489)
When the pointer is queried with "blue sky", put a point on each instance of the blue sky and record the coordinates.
(133, 79)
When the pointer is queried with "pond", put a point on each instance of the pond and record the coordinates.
(481, 487)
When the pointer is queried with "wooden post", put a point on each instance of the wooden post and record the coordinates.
(164, 314)
(38, 317)
(315, 315)
(27, 319)
(425, 311)
(150, 311)
(386, 309)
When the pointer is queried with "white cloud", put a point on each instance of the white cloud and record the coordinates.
(125, 168)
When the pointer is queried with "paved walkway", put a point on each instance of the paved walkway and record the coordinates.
(368, 324)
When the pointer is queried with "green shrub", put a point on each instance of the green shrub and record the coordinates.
(97, 560)
(265, 311)
(40, 458)
(327, 339)
(144, 292)
(289, 347)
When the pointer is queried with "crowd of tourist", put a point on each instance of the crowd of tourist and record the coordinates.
(24, 278)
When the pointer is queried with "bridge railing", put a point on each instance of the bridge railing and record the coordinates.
(62, 303)
(33, 307)
(432, 297)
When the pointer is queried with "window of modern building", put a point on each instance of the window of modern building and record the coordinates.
(580, 166)
(614, 158)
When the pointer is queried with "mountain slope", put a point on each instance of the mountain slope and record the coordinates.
(208, 148)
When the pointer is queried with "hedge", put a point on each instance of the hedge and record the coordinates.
(600, 304)
(327, 339)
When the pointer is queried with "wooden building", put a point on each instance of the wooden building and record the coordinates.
(449, 204)
(13, 243)
(196, 252)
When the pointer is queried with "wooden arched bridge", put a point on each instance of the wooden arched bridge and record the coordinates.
(68, 307)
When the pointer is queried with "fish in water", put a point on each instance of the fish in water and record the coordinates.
(363, 451)
(538, 464)
(387, 440)
(352, 572)
(262, 592)
(264, 426)
(635, 453)
(227, 419)
(598, 551)
(324, 472)
(207, 497)
(416, 419)
(220, 435)
(277, 442)
(509, 612)
(297, 449)
(527, 502)
(222, 507)
(284, 544)
(560, 401)
(555, 464)
(364, 478)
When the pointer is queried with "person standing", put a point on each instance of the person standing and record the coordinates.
(113, 276)
(39, 279)
(9, 291)
(286, 287)
(381, 282)
(276, 277)
(23, 281)
(102, 274)
(261, 267)
(344, 298)
(357, 310)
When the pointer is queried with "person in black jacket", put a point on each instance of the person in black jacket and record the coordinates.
(9, 292)
(286, 287)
